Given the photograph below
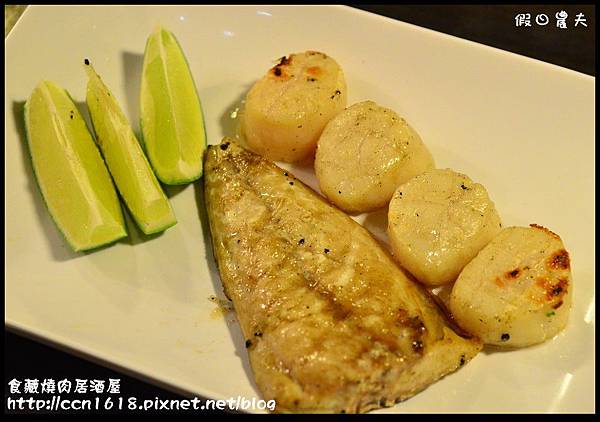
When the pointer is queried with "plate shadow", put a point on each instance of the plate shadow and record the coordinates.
(132, 69)
(173, 190)
(231, 126)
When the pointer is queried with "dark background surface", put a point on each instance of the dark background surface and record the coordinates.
(494, 25)
(573, 48)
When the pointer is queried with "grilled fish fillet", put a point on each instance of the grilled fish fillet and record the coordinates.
(332, 324)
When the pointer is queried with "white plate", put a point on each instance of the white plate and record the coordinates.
(523, 128)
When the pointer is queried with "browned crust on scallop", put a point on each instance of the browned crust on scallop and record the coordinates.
(559, 260)
(544, 229)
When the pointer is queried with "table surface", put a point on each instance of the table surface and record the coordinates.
(492, 25)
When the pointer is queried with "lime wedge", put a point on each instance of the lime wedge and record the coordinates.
(171, 113)
(125, 159)
(72, 177)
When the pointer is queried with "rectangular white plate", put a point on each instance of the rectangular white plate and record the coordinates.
(522, 128)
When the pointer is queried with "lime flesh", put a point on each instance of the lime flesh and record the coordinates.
(171, 114)
(125, 159)
(70, 172)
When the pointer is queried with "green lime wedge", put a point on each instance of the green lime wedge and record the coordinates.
(70, 172)
(125, 159)
(171, 114)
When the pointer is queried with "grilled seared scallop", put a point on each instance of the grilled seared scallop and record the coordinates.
(437, 223)
(517, 291)
(364, 153)
(287, 109)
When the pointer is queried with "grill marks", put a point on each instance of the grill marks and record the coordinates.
(559, 261)
(279, 70)
(554, 292)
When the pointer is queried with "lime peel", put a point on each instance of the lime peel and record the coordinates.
(126, 161)
(75, 184)
(172, 121)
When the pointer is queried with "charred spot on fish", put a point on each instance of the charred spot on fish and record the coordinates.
(462, 360)
(86, 62)
(559, 260)
(514, 274)
(311, 79)
(291, 183)
(340, 313)
(285, 174)
(326, 250)
(224, 146)
(558, 305)
(557, 290)
(505, 337)
(417, 324)
(248, 344)
(301, 242)
(277, 71)
(463, 187)
(417, 346)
